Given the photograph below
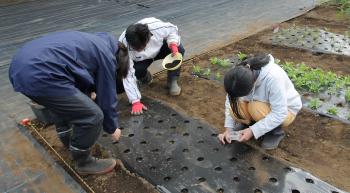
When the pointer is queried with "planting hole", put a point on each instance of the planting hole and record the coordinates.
(116, 142)
(218, 169)
(186, 134)
(199, 127)
(200, 159)
(152, 168)
(287, 169)
(236, 179)
(135, 121)
(146, 127)
(200, 141)
(295, 191)
(160, 121)
(335, 192)
(127, 151)
(185, 150)
(121, 128)
(139, 159)
(167, 179)
(131, 135)
(220, 190)
(233, 159)
(186, 121)
(155, 150)
(143, 142)
(184, 168)
(202, 180)
(169, 159)
(184, 190)
(273, 180)
(172, 141)
(172, 127)
(216, 149)
(214, 135)
(251, 168)
(257, 191)
(173, 115)
(308, 180)
(104, 135)
(158, 134)
(265, 158)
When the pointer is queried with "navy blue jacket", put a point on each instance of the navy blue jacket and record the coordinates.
(60, 63)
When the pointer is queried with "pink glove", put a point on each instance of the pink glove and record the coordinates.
(137, 108)
(174, 49)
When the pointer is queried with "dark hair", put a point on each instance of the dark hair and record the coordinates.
(239, 81)
(137, 35)
(122, 57)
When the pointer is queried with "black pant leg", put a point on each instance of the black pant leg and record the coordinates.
(79, 111)
(141, 68)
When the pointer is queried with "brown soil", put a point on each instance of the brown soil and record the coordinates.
(316, 144)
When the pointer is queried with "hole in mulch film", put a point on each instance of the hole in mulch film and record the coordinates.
(160, 121)
(139, 159)
(184, 168)
(186, 121)
(257, 191)
(218, 169)
(214, 134)
(295, 191)
(116, 142)
(173, 115)
(186, 134)
(152, 168)
(172, 141)
(287, 169)
(172, 127)
(185, 150)
(216, 149)
(265, 158)
(155, 150)
(236, 179)
(127, 151)
(251, 168)
(200, 159)
(199, 127)
(104, 135)
(184, 190)
(143, 142)
(121, 128)
(131, 135)
(273, 180)
(335, 192)
(220, 190)
(146, 127)
(233, 159)
(200, 141)
(202, 179)
(135, 121)
(308, 180)
(167, 179)
(169, 159)
(158, 134)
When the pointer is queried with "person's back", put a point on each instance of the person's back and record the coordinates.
(56, 64)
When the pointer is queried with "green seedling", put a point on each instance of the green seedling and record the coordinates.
(241, 56)
(315, 103)
(207, 72)
(332, 111)
(214, 61)
(197, 70)
(218, 76)
(347, 95)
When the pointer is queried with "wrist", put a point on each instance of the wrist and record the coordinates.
(135, 101)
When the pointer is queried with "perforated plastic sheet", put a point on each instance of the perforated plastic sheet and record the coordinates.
(180, 154)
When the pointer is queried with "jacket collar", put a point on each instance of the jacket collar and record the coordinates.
(265, 70)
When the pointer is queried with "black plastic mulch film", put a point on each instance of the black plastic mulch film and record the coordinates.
(179, 154)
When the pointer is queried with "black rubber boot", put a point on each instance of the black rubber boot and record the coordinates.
(64, 134)
(272, 139)
(86, 164)
(147, 79)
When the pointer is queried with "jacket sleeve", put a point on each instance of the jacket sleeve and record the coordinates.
(279, 109)
(130, 85)
(106, 93)
(170, 32)
(229, 121)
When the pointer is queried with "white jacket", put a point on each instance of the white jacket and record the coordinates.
(272, 86)
(160, 31)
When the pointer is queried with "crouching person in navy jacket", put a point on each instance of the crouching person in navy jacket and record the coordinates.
(59, 71)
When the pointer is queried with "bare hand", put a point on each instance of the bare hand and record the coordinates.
(116, 135)
(245, 135)
(93, 96)
(225, 137)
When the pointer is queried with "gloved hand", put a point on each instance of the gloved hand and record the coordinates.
(137, 108)
(174, 49)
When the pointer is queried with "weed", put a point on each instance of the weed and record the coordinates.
(214, 61)
(332, 111)
(220, 62)
(241, 56)
(207, 72)
(347, 95)
(218, 76)
(315, 103)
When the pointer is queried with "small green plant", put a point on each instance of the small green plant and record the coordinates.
(241, 56)
(315, 103)
(332, 111)
(218, 76)
(197, 70)
(347, 95)
(207, 72)
(344, 6)
(214, 61)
